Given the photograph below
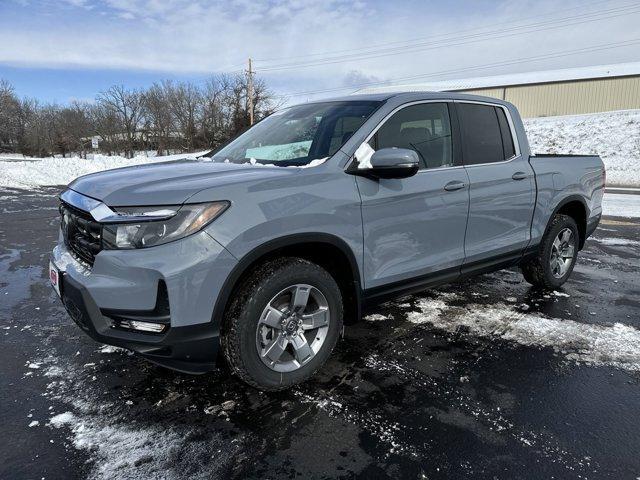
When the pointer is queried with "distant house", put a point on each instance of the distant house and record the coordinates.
(555, 92)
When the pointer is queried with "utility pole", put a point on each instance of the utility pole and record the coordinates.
(250, 92)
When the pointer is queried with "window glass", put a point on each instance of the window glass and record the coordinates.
(343, 129)
(424, 128)
(507, 139)
(298, 135)
(481, 136)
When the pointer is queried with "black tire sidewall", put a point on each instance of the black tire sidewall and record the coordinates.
(562, 222)
(291, 273)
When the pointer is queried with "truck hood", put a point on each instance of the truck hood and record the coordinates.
(168, 183)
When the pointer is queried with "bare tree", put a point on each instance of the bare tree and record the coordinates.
(186, 103)
(126, 106)
(168, 116)
(214, 126)
(159, 119)
(9, 117)
(105, 124)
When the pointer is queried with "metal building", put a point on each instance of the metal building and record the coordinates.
(556, 92)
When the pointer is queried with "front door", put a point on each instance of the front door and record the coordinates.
(415, 227)
(502, 186)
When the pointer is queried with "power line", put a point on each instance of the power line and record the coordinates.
(594, 48)
(449, 43)
(496, 34)
(370, 52)
(409, 40)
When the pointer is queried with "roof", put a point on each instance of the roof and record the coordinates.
(526, 78)
(364, 96)
(406, 96)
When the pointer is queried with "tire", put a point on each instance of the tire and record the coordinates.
(249, 337)
(541, 270)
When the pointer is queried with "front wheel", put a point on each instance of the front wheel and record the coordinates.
(556, 255)
(283, 323)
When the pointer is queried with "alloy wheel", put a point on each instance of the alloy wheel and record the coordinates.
(562, 252)
(292, 327)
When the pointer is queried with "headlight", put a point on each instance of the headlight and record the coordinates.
(149, 226)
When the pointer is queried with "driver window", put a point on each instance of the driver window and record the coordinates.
(424, 128)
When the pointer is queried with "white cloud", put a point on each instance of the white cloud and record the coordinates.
(207, 36)
(78, 4)
(354, 78)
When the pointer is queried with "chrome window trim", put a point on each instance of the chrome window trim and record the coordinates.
(393, 112)
(512, 129)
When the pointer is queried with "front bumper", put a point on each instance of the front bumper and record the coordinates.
(191, 349)
(192, 269)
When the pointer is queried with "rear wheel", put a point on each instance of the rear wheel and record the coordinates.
(283, 323)
(556, 256)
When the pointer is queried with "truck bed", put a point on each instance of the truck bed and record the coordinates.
(565, 178)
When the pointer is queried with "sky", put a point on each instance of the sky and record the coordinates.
(65, 50)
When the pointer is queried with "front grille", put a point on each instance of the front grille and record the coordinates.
(82, 234)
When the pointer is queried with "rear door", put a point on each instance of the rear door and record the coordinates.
(414, 227)
(502, 187)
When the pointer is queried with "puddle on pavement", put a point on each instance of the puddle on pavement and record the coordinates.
(15, 282)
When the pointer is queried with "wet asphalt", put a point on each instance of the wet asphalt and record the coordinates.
(399, 399)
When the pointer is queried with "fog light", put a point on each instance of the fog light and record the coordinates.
(142, 326)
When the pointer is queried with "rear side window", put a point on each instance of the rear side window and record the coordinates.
(505, 130)
(424, 128)
(481, 136)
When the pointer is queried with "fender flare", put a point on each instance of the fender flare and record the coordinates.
(569, 199)
(565, 201)
(248, 259)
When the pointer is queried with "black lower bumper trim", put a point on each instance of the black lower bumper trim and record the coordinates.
(189, 349)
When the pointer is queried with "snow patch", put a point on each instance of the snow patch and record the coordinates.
(619, 205)
(430, 311)
(119, 450)
(617, 242)
(314, 163)
(112, 349)
(377, 317)
(61, 171)
(617, 345)
(122, 446)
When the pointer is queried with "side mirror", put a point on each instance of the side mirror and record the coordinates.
(393, 163)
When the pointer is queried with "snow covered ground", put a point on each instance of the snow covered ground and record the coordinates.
(33, 172)
(616, 345)
(615, 136)
(618, 205)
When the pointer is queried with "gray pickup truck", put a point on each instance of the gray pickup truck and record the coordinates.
(263, 250)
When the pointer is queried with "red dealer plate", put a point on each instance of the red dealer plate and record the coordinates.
(54, 277)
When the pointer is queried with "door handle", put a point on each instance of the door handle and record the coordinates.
(454, 185)
(519, 176)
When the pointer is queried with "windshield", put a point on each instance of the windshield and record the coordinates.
(298, 135)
